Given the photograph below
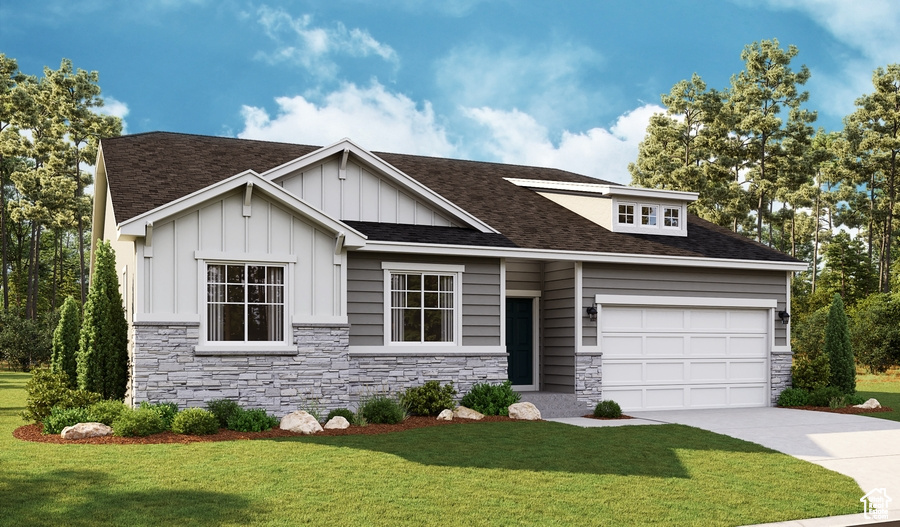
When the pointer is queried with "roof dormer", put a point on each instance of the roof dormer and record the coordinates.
(619, 208)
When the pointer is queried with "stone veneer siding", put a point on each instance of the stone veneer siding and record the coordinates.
(780, 370)
(167, 369)
(589, 378)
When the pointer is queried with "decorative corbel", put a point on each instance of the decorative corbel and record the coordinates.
(148, 239)
(342, 172)
(338, 247)
(248, 193)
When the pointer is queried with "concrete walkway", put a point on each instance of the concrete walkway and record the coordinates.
(864, 448)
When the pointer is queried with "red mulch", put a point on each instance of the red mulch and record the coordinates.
(33, 433)
(845, 410)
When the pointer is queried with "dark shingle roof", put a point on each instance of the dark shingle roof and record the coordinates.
(148, 170)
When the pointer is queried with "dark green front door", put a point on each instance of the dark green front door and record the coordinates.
(520, 340)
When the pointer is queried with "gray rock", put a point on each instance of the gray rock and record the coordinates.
(83, 430)
(445, 415)
(300, 422)
(462, 412)
(526, 411)
(337, 423)
(870, 404)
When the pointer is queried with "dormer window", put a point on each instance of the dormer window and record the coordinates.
(672, 217)
(648, 215)
(626, 213)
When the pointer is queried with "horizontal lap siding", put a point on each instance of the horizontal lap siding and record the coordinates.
(524, 276)
(558, 329)
(611, 279)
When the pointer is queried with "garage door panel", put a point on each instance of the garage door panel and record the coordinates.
(748, 371)
(663, 319)
(627, 398)
(748, 395)
(708, 346)
(662, 372)
(739, 319)
(659, 398)
(707, 319)
(709, 371)
(747, 346)
(663, 345)
(708, 397)
(623, 373)
(624, 346)
(621, 318)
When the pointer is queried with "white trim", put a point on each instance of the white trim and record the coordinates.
(503, 296)
(781, 349)
(686, 301)
(323, 320)
(245, 257)
(166, 318)
(423, 267)
(522, 293)
(430, 351)
(456, 271)
(244, 350)
(605, 189)
(578, 301)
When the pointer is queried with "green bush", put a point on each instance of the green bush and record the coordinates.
(26, 343)
(195, 422)
(255, 420)
(381, 409)
(810, 371)
(65, 341)
(223, 409)
(139, 422)
(793, 397)
(875, 331)
(491, 399)
(429, 399)
(823, 396)
(837, 346)
(855, 399)
(343, 412)
(166, 411)
(47, 389)
(608, 409)
(105, 411)
(60, 418)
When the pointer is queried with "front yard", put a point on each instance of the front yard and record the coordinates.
(503, 473)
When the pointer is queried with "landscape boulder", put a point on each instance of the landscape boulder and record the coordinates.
(871, 404)
(337, 423)
(83, 430)
(526, 411)
(462, 412)
(445, 415)
(300, 422)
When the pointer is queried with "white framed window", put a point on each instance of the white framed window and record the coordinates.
(626, 213)
(672, 217)
(422, 304)
(245, 303)
(648, 215)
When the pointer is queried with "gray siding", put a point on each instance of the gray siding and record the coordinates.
(558, 325)
(480, 297)
(524, 276)
(614, 279)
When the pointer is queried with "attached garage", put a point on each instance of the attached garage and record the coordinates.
(685, 352)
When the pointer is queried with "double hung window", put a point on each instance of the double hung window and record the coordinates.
(672, 217)
(422, 307)
(245, 303)
(626, 213)
(648, 215)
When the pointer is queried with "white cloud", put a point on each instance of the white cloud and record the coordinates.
(116, 108)
(373, 117)
(313, 48)
(516, 137)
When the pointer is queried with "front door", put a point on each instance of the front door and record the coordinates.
(520, 340)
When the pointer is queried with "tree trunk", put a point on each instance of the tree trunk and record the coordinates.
(889, 224)
(815, 256)
(78, 191)
(4, 236)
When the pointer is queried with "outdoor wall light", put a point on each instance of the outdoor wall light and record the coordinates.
(784, 316)
(592, 312)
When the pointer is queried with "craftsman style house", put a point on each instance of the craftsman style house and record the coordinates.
(276, 273)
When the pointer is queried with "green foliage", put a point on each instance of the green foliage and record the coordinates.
(166, 412)
(838, 349)
(65, 341)
(823, 396)
(254, 420)
(139, 422)
(875, 331)
(491, 399)
(381, 409)
(793, 397)
(810, 372)
(195, 421)
(47, 389)
(61, 417)
(105, 411)
(346, 413)
(429, 399)
(223, 409)
(24, 342)
(103, 345)
(609, 409)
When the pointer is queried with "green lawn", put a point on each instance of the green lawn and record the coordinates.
(884, 387)
(508, 473)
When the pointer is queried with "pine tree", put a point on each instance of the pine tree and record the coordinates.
(103, 349)
(65, 341)
(837, 347)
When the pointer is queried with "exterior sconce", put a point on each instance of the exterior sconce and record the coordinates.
(784, 316)
(592, 312)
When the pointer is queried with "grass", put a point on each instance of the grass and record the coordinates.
(510, 473)
(886, 388)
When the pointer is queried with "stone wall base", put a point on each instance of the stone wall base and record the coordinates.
(780, 368)
(589, 378)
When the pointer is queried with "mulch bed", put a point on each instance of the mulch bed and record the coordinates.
(592, 416)
(33, 433)
(845, 410)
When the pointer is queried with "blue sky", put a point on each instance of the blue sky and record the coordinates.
(567, 84)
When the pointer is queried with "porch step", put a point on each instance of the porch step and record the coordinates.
(554, 405)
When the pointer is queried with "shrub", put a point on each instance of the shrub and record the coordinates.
(105, 411)
(429, 399)
(823, 396)
(855, 399)
(223, 409)
(810, 371)
(196, 422)
(25, 342)
(608, 409)
(837, 347)
(138, 423)
(166, 411)
(65, 341)
(47, 389)
(255, 420)
(343, 412)
(382, 409)
(60, 418)
(793, 397)
(875, 331)
(491, 399)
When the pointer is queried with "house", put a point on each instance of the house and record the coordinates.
(277, 273)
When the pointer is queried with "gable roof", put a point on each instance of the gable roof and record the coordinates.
(148, 170)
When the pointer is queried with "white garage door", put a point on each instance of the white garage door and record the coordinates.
(684, 357)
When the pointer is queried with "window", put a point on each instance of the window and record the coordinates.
(648, 215)
(245, 303)
(671, 217)
(626, 213)
(422, 306)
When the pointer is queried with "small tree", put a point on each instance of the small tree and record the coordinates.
(837, 347)
(103, 346)
(65, 341)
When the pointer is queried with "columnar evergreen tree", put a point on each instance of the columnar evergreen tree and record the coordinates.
(103, 346)
(65, 341)
(837, 347)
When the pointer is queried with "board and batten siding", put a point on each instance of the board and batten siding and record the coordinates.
(219, 227)
(615, 279)
(365, 297)
(360, 196)
(558, 328)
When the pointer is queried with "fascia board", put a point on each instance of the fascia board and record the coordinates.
(580, 256)
(135, 227)
(380, 165)
(604, 189)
